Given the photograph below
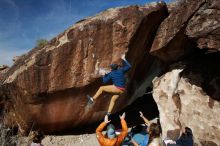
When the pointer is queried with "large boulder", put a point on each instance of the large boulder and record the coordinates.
(204, 26)
(191, 24)
(48, 85)
(188, 95)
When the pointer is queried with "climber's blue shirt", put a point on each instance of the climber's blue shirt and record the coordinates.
(117, 76)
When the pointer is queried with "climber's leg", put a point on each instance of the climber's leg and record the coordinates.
(112, 103)
(109, 89)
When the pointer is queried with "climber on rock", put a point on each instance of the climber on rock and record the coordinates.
(117, 77)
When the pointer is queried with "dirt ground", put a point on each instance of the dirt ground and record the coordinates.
(76, 140)
(69, 140)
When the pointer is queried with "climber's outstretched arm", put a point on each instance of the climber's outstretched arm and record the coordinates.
(147, 122)
(126, 64)
(101, 138)
(124, 131)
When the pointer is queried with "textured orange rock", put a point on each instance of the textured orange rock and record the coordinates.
(3, 71)
(48, 86)
(191, 23)
(204, 26)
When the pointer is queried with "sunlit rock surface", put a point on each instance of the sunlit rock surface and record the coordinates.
(191, 23)
(188, 95)
(48, 86)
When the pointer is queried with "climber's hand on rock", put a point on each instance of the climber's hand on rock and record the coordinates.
(122, 116)
(106, 119)
(104, 72)
(123, 57)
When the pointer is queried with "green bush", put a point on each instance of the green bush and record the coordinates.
(41, 43)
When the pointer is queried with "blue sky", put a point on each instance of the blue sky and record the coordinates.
(22, 22)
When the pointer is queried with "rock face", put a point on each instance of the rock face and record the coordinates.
(192, 23)
(48, 86)
(189, 96)
(3, 71)
(3, 67)
(16, 58)
(204, 26)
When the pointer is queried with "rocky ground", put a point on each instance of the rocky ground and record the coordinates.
(71, 140)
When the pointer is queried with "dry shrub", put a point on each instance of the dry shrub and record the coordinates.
(8, 137)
